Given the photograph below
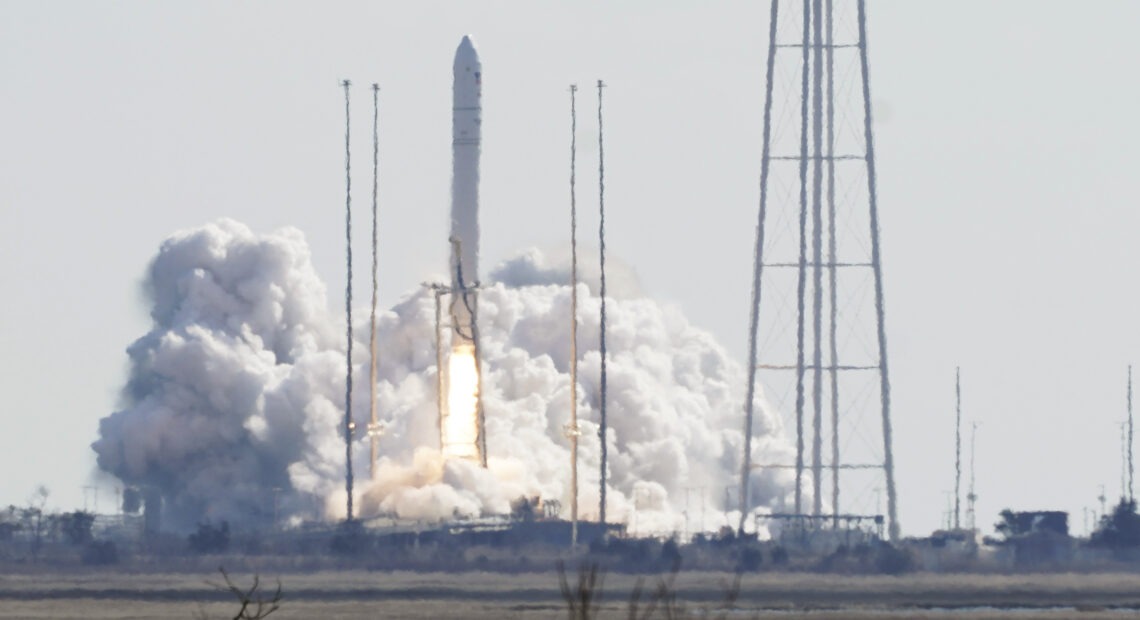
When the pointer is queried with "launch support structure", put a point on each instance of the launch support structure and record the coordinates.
(837, 237)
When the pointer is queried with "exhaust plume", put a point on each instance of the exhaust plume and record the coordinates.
(237, 390)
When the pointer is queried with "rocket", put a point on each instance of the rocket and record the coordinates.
(466, 118)
(461, 414)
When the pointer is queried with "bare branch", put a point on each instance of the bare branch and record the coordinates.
(582, 603)
(249, 597)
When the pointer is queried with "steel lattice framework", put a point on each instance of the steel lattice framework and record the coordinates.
(817, 332)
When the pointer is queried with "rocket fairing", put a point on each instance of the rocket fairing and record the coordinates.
(466, 118)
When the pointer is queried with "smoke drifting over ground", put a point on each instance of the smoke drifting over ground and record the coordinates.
(235, 398)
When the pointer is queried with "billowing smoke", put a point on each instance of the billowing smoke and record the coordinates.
(234, 405)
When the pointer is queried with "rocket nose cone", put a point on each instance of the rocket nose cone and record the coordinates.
(466, 50)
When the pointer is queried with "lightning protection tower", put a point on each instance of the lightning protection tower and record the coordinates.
(817, 339)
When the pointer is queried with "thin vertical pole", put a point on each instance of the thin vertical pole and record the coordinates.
(972, 496)
(817, 261)
(439, 366)
(480, 415)
(373, 422)
(802, 285)
(602, 291)
(1123, 460)
(573, 430)
(348, 426)
(831, 269)
(957, 446)
(1131, 471)
(876, 262)
(757, 268)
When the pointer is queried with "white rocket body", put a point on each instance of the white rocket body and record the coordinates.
(461, 428)
(467, 109)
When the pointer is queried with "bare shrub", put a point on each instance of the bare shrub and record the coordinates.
(582, 603)
(254, 605)
(731, 595)
(664, 597)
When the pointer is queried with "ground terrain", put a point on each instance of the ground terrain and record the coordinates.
(104, 594)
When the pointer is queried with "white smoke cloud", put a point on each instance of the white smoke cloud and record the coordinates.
(235, 399)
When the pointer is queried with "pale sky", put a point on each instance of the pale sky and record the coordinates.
(1006, 138)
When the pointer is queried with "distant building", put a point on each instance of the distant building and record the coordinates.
(1037, 537)
(1033, 522)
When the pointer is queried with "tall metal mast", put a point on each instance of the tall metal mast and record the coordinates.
(1124, 460)
(802, 265)
(757, 270)
(374, 430)
(1131, 470)
(817, 261)
(572, 430)
(877, 267)
(602, 292)
(972, 496)
(348, 424)
(832, 252)
(957, 446)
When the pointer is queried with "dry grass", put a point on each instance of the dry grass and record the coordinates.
(95, 595)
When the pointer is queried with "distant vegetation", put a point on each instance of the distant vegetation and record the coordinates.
(1119, 530)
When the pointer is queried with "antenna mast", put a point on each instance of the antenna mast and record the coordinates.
(572, 430)
(1131, 471)
(602, 291)
(1123, 460)
(971, 497)
(374, 429)
(348, 424)
(957, 446)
